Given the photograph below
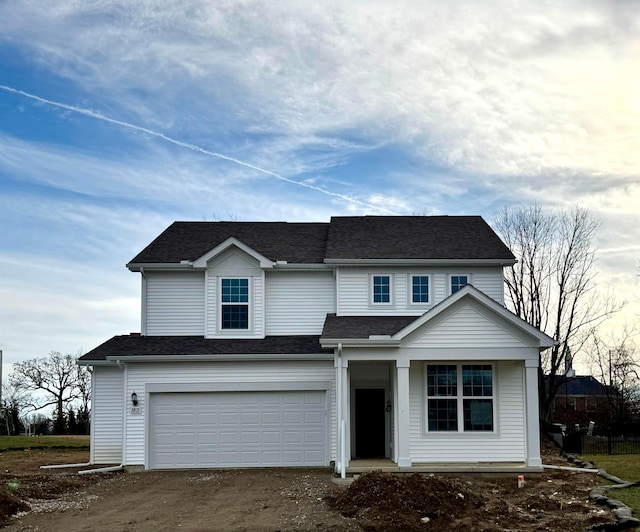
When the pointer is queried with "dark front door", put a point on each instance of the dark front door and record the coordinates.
(370, 422)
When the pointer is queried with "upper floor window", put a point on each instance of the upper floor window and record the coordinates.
(458, 281)
(235, 303)
(381, 289)
(420, 289)
(460, 395)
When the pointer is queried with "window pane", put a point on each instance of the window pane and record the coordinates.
(442, 380)
(235, 290)
(235, 316)
(477, 380)
(478, 414)
(381, 291)
(457, 282)
(443, 415)
(420, 289)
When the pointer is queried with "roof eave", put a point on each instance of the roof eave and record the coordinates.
(139, 266)
(114, 359)
(358, 342)
(421, 262)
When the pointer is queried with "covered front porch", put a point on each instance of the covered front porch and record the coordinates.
(383, 422)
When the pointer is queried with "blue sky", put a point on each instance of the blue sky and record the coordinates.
(119, 117)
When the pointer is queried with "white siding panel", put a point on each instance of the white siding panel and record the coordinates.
(139, 375)
(298, 302)
(175, 303)
(467, 328)
(354, 291)
(235, 263)
(489, 281)
(107, 414)
(506, 445)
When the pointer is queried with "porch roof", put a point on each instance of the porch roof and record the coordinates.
(142, 348)
(363, 327)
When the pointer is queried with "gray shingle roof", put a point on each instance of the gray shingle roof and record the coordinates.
(356, 237)
(410, 237)
(300, 243)
(357, 327)
(136, 345)
(580, 385)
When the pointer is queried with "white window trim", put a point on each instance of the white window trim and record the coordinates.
(410, 301)
(392, 282)
(219, 303)
(460, 400)
(449, 276)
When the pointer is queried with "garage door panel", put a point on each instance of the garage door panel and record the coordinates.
(238, 429)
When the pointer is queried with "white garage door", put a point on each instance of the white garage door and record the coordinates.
(238, 429)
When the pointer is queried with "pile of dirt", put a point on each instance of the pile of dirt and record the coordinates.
(9, 505)
(383, 501)
(551, 501)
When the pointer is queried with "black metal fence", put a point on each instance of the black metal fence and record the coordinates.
(610, 444)
(581, 442)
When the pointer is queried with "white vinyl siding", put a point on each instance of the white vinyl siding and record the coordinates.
(106, 415)
(354, 288)
(298, 302)
(490, 281)
(466, 327)
(506, 444)
(234, 264)
(174, 303)
(276, 372)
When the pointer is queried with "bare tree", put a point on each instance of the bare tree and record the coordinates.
(552, 285)
(616, 363)
(56, 375)
(15, 401)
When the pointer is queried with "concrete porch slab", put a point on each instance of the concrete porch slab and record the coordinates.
(489, 468)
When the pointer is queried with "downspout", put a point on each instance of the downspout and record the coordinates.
(123, 367)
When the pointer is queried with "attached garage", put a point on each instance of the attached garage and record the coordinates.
(238, 429)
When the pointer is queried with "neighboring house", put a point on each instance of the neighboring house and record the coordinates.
(581, 399)
(304, 344)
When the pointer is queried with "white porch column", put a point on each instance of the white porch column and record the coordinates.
(343, 445)
(531, 408)
(402, 419)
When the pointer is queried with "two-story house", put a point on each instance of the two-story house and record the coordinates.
(306, 344)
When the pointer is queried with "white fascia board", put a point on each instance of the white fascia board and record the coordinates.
(95, 363)
(421, 262)
(290, 266)
(360, 342)
(544, 340)
(217, 358)
(228, 243)
(138, 266)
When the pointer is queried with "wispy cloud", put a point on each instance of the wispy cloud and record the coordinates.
(194, 148)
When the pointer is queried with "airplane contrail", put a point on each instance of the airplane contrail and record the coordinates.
(192, 147)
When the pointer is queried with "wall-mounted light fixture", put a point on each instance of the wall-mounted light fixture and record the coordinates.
(134, 399)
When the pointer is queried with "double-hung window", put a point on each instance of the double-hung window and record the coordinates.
(460, 398)
(381, 289)
(419, 289)
(234, 304)
(458, 281)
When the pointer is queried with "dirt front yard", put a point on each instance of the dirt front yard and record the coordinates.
(286, 500)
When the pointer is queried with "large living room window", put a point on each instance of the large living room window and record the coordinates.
(460, 398)
(235, 304)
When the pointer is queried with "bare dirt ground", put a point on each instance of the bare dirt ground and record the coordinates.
(286, 500)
